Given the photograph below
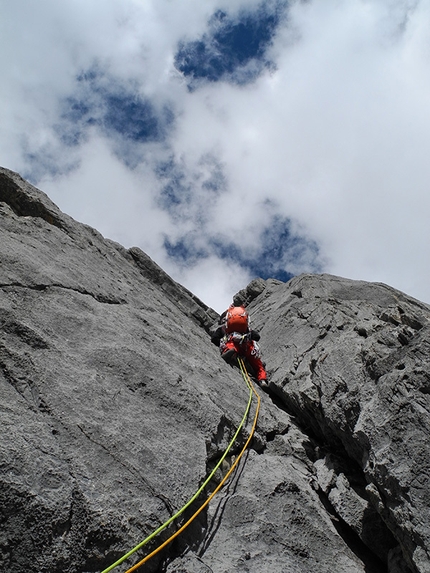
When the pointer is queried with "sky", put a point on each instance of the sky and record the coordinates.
(230, 139)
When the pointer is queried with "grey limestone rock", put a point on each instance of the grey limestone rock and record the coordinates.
(354, 368)
(115, 407)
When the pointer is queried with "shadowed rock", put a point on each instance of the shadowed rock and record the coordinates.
(115, 406)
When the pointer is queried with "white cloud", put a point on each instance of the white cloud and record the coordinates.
(118, 201)
(205, 281)
(336, 137)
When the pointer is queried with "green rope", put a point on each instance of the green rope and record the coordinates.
(218, 487)
(195, 496)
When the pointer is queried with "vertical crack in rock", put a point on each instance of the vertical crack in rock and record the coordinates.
(341, 487)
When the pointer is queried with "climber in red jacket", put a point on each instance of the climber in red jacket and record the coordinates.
(235, 339)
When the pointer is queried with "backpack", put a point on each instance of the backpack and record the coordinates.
(236, 320)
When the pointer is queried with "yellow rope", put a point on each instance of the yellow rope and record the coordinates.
(202, 487)
(172, 537)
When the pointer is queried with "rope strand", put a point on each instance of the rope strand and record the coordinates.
(200, 490)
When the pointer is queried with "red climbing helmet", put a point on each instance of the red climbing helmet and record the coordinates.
(236, 320)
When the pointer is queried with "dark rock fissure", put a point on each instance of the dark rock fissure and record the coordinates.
(316, 448)
(372, 562)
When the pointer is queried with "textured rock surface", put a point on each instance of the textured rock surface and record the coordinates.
(114, 406)
(355, 369)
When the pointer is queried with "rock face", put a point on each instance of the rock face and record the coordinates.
(355, 369)
(115, 406)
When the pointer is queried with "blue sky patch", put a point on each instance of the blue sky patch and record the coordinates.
(132, 118)
(234, 48)
(115, 108)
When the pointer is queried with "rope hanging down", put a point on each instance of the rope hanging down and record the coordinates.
(202, 487)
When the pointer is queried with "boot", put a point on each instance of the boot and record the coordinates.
(229, 355)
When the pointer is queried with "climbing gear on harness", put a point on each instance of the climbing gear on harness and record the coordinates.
(252, 392)
(238, 337)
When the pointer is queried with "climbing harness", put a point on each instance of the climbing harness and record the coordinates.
(202, 487)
